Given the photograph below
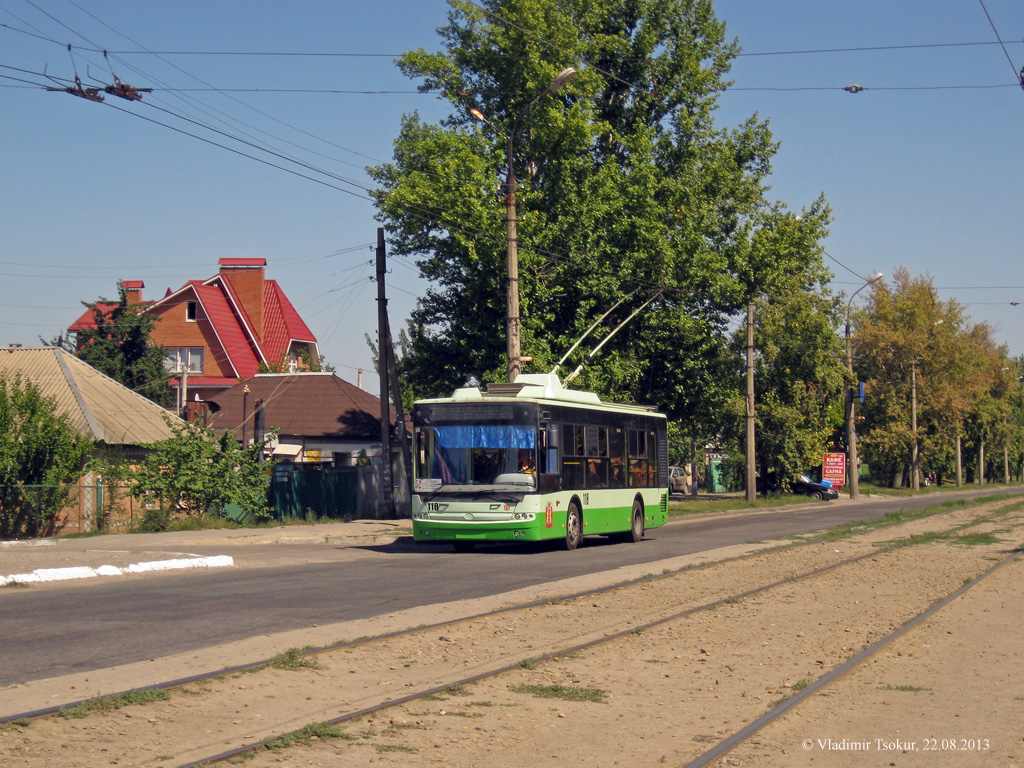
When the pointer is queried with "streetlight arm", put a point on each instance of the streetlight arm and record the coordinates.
(563, 77)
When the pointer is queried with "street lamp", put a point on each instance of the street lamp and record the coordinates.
(851, 427)
(512, 242)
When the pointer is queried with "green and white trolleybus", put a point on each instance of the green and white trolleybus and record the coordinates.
(532, 460)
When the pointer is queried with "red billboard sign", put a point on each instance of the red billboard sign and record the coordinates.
(833, 468)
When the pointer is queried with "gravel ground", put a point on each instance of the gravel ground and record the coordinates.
(946, 693)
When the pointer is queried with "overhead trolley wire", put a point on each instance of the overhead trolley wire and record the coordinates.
(1019, 76)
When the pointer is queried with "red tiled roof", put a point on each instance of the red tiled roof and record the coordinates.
(234, 328)
(130, 284)
(207, 381)
(88, 320)
(243, 356)
(281, 323)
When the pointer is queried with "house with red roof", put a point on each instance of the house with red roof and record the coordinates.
(219, 331)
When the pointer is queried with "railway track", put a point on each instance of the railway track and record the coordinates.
(343, 684)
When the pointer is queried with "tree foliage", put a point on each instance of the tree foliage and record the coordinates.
(40, 454)
(199, 473)
(910, 345)
(120, 347)
(799, 376)
(627, 187)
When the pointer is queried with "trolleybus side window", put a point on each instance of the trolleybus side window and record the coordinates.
(597, 457)
(652, 460)
(573, 446)
(617, 452)
(639, 467)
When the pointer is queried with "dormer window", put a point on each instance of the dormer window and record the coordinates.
(191, 311)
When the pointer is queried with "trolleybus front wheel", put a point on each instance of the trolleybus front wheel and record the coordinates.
(573, 527)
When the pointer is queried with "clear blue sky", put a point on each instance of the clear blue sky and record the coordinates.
(923, 168)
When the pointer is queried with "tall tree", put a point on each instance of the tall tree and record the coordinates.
(40, 453)
(120, 347)
(920, 355)
(799, 378)
(626, 188)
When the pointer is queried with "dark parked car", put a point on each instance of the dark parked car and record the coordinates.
(802, 484)
(805, 485)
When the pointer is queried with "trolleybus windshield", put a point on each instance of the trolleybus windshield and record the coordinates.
(464, 457)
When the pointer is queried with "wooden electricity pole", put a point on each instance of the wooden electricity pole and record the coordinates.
(387, 501)
(751, 474)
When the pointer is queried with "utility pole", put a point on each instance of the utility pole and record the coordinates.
(245, 414)
(959, 462)
(852, 462)
(512, 262)
(751, 475)
(512, 318)
(184, 393)
(914, 468)
(387, 503)
(401, 434)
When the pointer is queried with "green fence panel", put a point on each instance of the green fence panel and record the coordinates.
(331, 493)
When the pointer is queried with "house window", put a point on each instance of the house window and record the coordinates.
(191, 311)
(184, 359)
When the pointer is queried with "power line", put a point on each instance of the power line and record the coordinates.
(421, 211)
(146, 271)
(365, 55)
(868, 48)
(1020, 77)
(859, 88)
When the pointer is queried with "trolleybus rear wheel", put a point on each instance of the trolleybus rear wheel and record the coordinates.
(636, 528)
(573, 527)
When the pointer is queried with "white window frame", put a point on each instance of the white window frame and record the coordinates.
(184, 359)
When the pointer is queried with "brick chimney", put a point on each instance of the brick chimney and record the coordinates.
(246, 277)
(133, 290)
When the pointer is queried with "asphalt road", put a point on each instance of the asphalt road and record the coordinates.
(80, 626)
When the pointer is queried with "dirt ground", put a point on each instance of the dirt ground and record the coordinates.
(945, 693)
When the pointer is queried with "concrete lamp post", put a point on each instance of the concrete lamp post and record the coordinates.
(851, 426)
(512, 243)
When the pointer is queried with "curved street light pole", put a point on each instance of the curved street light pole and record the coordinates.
(851, 426)
(512, 238)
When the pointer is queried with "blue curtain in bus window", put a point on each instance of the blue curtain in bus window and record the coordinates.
(454, 446)
(490, 436)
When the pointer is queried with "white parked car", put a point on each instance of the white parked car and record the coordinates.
(678, 479)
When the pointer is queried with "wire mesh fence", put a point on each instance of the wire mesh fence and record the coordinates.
(28, 511)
